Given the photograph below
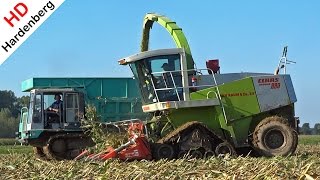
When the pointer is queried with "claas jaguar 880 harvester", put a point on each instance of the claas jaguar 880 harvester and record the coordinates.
(204, 112)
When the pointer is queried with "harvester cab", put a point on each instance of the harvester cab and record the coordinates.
(163, 77)
(159, 74)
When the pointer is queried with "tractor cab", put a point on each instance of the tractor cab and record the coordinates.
(51, 110)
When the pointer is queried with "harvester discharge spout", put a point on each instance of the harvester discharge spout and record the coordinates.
(174, 30)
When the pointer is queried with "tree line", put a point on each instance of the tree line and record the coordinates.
(10, 106)
(307, 130)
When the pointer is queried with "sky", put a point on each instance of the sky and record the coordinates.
(87, 38)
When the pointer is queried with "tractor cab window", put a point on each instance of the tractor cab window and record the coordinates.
(35, 106)
(72, 107)
(159, 78)
(53, 108)
(53, 101)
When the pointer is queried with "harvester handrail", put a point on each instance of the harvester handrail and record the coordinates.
(212, 92)
(155, 89)
(174, 84)
(175, 87)
(220, 99)
(185, 87)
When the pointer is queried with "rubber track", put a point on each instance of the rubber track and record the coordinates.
(47, 148)
(174, 135)
(38, 151)
(49, 154)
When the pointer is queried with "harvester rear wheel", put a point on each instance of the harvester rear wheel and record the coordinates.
(274, 137)
(295, 136)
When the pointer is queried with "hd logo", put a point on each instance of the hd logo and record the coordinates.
(18, 20)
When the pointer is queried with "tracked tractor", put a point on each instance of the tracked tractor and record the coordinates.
(204, 112)
(59, 134)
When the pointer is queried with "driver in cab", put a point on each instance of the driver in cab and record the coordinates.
(167, 76)
(166, 67)
(55, 106)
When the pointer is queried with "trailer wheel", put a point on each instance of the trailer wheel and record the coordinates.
(274, 137)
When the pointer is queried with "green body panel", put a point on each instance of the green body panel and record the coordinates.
(174, 30)
(238, 98)
(206, 115)
(240, 104)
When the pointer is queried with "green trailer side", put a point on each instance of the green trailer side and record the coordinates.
(115, 98)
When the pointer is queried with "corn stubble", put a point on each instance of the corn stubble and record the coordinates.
(305, 164)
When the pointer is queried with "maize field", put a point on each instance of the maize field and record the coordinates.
(304, 164)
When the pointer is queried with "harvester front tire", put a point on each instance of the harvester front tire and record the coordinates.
(274, 137)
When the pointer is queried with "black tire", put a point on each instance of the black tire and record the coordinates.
(225, 148)
(274, 137)
(295, 135)
(59, 146)
(208, 154)
(182, 154)
(163, 151)
(196, 154)
(51, 155)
